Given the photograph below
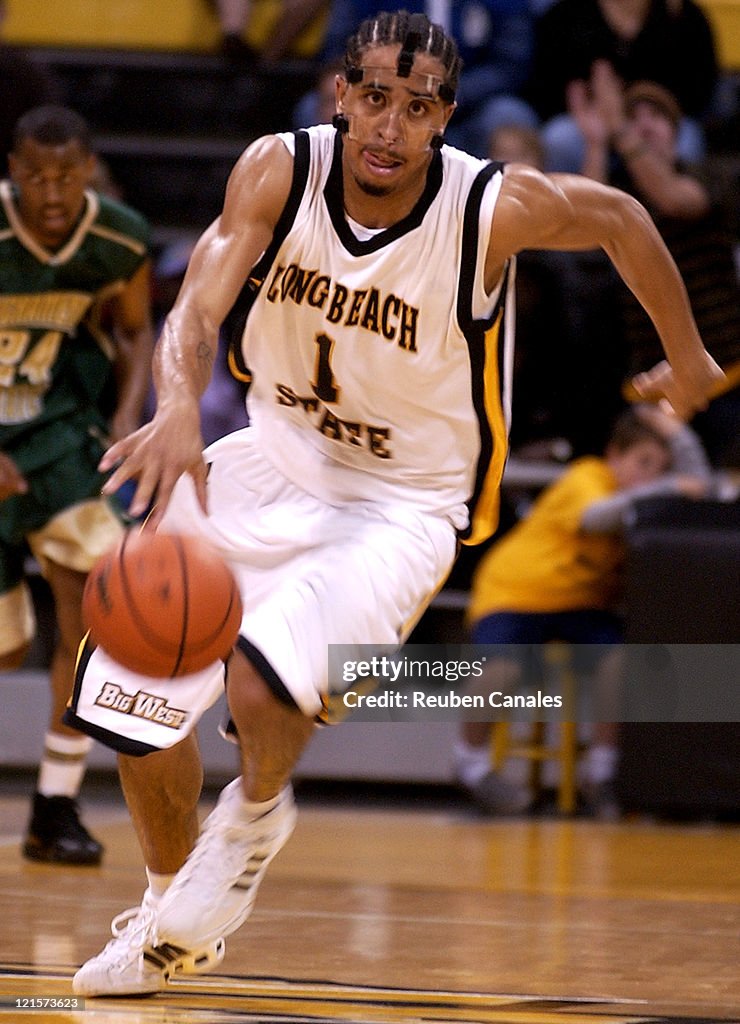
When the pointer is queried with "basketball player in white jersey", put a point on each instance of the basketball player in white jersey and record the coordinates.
(377, 267)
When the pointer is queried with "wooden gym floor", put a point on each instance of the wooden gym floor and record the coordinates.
(402, 911)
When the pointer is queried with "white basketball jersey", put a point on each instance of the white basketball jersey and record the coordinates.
(379, 367)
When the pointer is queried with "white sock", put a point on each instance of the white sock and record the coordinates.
(471, 763)
(601, 763)
(251, 810)
(63, 764)
(158, 884)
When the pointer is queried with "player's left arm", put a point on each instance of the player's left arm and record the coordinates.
(573, 213)
(134, 339)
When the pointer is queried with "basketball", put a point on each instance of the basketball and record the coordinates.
(162, 604)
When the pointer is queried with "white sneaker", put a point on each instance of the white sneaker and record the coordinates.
(214, 891)
(131, 965)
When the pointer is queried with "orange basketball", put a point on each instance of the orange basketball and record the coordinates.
(162, 604)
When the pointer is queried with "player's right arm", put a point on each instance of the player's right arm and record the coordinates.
(171, 444)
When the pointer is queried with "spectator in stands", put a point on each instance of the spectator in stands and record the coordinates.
(555, 576)
(665, 41)
(25, 84)
(77, 345)
(252, 32)
(631, 141)
(496, 39)
(515, 143)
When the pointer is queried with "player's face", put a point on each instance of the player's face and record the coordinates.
(51, 183)
(392, 120)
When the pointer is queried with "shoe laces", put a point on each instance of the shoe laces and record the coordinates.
(133, 925)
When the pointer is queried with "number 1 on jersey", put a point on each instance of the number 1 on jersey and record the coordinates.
(325, 386)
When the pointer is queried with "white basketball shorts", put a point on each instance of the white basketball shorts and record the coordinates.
(310, 574)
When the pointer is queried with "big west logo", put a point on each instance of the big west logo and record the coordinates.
(145, 705)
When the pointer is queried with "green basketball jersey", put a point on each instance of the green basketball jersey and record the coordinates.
(56, 358)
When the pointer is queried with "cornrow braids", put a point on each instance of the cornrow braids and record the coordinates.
(415, 33)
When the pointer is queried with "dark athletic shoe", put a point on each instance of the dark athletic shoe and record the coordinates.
(56, 834)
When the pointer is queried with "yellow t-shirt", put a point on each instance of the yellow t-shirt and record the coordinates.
(546, 563)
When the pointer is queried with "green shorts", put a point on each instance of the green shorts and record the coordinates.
(62, 519)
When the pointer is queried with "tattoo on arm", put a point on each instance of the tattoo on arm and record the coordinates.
(205, 355)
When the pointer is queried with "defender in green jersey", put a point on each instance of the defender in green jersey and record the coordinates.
(75, 352)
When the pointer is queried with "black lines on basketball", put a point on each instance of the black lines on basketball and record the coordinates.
(162, 604)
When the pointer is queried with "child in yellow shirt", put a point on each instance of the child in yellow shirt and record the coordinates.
(555, 576)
